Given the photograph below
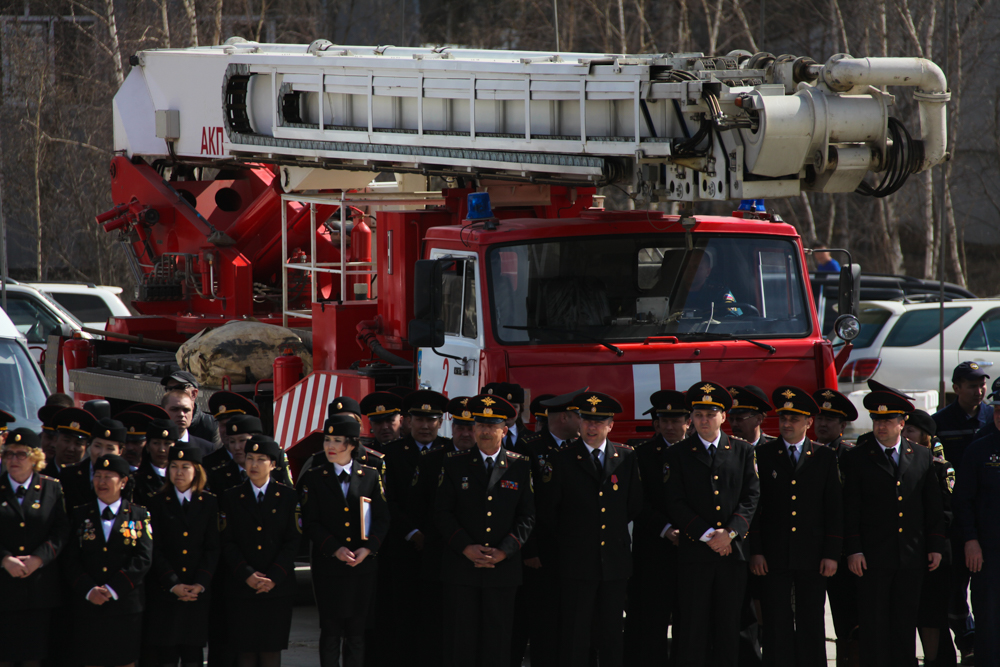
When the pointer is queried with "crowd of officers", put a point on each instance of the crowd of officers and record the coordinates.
(142, 538)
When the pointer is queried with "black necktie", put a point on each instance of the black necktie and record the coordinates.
(243, 475)
(260, 497)
(489, 466)
(107, 514)
(794, 451)
(711, 451)
(20, 492)
(597, 459)
(343, 477)
(892, 461)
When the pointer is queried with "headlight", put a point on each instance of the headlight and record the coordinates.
(847, 327)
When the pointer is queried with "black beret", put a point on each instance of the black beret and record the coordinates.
(113, 463)
(240, 424)
(6, 418)
(918, 418)
(25, 437)
(343, 405)
(185, 451)
(342, 424)
(262, 444)
(594, 405)
(110, 429)
(162, 429)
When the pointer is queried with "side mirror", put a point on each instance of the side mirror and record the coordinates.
(850, 290)
(427, 329)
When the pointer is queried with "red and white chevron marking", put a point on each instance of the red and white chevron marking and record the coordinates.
(301, 410)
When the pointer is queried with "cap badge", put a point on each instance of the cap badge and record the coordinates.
(379, 408)
(707, 398)
(425, 407)
(489, 391)
(233, 429)
(789, 405)
(669, 407)
(488, 401)
(17, 438)
(74, 425)
(466, 414)
(131, 429)
(180, 454)
(736, 403)
(339, 405)
(788, 393)
(107, 433)
(222, 408)
(487, 411)
(593, 400)
(974, 366)
(708, 389)
(882, 408)
(166, 434)
(827, 394)
(255, 447)
(510, 397)
(106, 463)
(827, 405)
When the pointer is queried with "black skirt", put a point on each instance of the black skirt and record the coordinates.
(339, 596)
(934, 596)
(259, 624)
(170, 622)
(119, 648)
(24, 635)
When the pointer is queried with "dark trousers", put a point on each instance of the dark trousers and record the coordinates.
(536, 618)
(842, 589)
(483, 619)
(591, 613)
(709, 612)
(959, 616)
(986, 604)
(888, 602)
(794, 638)
(651, 593)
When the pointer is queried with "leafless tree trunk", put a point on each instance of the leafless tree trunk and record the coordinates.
(165, 23)
(713, 19)
(745, 24)
(810, 218)
(192, 16)
(621, 25)
(217, 23)
(116, 52)
(37, 179)
(930, 254)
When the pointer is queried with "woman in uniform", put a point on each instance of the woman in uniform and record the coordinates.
(344, 566)
(260, 538)
(185, 553)
(108, 554)
(33, 530)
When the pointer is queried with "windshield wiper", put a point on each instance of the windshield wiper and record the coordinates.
(704, 335)
(614, 348)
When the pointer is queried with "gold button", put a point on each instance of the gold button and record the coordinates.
(602, 543)
(718, 523)
(900, 514)
(793, 497)
(104, 569)
(898, 483)
(900, 498)
(718, 507)
(602, 509)
(22, 524)
(260, 528)
(348, 539)
(184, 569)
(104, 549)
(793, 529)
(793, 481)
(259, 547)
(489, 514)
(488, 529)
(22, 548)
(900, 530)
(603, 527)
(600, 493)
(793, 513)
(346, 510)
(489, 497)
(184, 551)
(347, 524)
(716, 493)
(716, 477)
(185, 534)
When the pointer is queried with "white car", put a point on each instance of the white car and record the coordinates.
(92, 304)
(36, 316)
(22, 386)
(899, 343)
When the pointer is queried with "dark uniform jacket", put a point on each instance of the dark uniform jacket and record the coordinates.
(260, 537)
(704, 494)
(121, 562)
(78, 484)
(894, 519)
(204, 427)
(956, 430)
(799, 519)
(366, 456)
(540, 450)
(224, 473)
(976, 500)
(406, 485)
(590, 511)
(186, 549)
(497, 512)
(331, 521)
(654, 469)
(146, 482)
(36, 527)
(764, 439)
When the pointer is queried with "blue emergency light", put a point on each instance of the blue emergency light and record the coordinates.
(755, 205)
(479, 206)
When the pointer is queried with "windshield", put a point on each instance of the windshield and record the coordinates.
(628, 288)
(21, 389)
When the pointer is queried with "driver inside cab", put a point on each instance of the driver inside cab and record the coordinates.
(701, 294)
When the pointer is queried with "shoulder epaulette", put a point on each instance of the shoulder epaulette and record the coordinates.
(48, 479)
(514, 456)
(460, 452)
(375, 453)
(621, 446)
(528, 439)
(208, 493)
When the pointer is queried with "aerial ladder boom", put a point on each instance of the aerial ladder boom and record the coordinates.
(683, 126)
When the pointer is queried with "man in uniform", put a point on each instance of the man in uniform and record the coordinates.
(384, 412)
(225, 466)
(513, 394)
(203, 425)
(957, 425)
(107, 437)
(539, 413)
(463, 425)
(594, 493)
(835, 412)
(653, 586)
(894, 530)
(46, 414)
(485, 511)
(977, 505)
(225, 405)
(796, 534)
(711, 496)
(73, 431)
(750, 406)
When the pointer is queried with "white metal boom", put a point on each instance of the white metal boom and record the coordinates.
(677, 126)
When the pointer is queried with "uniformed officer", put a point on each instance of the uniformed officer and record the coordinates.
(539, 413)
(536, 615)
(385, 416)
(46, 414)
(750, 406)
(796, 534)
(135, 437)
(711, 497)
(835, 412)
(977, 505)
(224, 405)
(462, 423)
(109, 552)
(932, 618)
(365, 454)
(485, 511)
(259, 520)
(514, 394)
(107, 437)
(894, 530)
(957, 425)
(225, 466)
(33, 531)
(346, 518)
(594, 493)
(653, 586)
(161, 436)
(185, 554)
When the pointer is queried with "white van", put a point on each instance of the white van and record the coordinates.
(22, 385)
(36, 316)
(92, 304)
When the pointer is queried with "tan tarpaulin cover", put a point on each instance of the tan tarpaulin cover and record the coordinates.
(236, 347)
